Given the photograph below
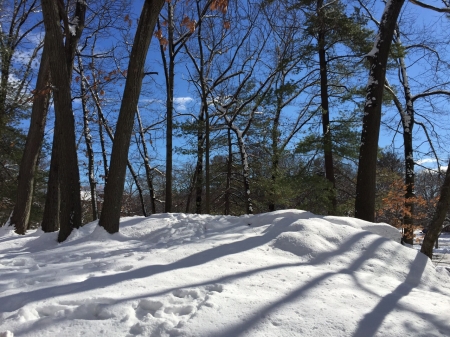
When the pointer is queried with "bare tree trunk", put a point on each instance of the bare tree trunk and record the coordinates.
(170, 78)
(245, 167)
(435, 228)
(326, 127)
(88, 140)
(110, 216)
(365, 186)
(199, 166)
(148, 169)
(229, 172)
(41, 99)
(70, 203)
(407, 118)
(207, 165)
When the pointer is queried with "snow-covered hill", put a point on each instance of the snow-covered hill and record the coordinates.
(286, 273)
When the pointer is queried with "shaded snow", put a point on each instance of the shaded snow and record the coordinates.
(285, 273)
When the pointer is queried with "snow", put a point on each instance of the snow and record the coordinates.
(290, 273)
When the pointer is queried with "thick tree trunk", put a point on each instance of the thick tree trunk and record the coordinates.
(366, 178)
(435, 228)
(70, 204)
(41, 99)
(324, 97)
(110, 217)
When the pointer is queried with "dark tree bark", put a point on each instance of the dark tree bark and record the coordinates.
(365, 185)
(324, 98)
(169, 74)
(41, 99)
(110, 216)
(68, 174)
(435, 228)
(407, 118)
(207, 164)
(229, 173)
(199, 166)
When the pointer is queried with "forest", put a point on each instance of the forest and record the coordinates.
(224, 107)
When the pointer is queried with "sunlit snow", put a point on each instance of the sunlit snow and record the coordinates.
(286, 273)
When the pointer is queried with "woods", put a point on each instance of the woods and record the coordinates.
(110, 109)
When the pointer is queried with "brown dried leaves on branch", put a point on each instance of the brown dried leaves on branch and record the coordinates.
(162, 40)
(220, 5)
(189, 24)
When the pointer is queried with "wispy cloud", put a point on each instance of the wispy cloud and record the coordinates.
(426, 160)
(181, 102)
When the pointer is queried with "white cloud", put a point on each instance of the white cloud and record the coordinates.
(181, 102)
(426, 160)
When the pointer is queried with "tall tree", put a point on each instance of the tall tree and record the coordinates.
(61, 58)
(110, 216)
(41, 99)
(378, 57)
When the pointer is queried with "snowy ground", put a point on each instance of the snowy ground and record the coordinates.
(286, 273)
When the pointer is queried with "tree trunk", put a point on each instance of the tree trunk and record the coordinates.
(148, 169)
(41, 99)
(110, 217)
(89, 147)
(407, 118)
(435, 228)
(245, 168)
(326, 127)
(275, 161)
(229, 173)
(207, 166)
(170, 77)
(199, 166)
(366, 178)
(70, 204)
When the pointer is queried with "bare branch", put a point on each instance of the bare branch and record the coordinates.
(436, 9)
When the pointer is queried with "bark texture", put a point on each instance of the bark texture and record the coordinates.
(35, 137)
(68, 174)
(366, 178)
(110, 216)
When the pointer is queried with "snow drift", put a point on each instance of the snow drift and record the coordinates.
(285, 273)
